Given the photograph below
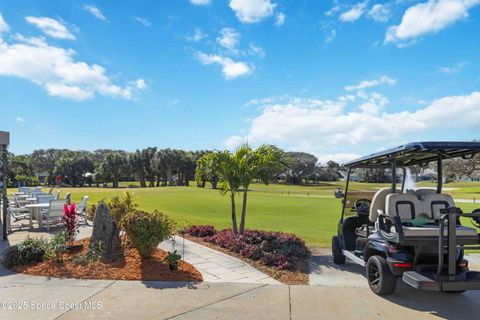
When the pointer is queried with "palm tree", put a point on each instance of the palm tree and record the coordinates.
(207, 170)
(249, 164)
(237, 170)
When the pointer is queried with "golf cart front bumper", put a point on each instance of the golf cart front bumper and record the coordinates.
(469, 280)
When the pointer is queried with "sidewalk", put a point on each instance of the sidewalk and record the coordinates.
(92, 299)
(216, 266)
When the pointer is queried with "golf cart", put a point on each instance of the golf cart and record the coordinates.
(416, 234)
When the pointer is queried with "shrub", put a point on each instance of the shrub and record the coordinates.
(91, 212)
(120, 206)
(56, 246)
(201, 231)
(146, 230)
(280, 250)
(27, 252)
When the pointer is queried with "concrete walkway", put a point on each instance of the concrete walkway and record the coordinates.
(29, 297)
(216, 266)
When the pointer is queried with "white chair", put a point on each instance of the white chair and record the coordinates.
(82, 209)
(57, 195)
(44, 198)
(68, 198)
(38, 189)
(18, 202)
(54, 214)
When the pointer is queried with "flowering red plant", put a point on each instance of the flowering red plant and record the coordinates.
(70, 220)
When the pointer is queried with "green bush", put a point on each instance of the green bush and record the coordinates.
(120, 206)
(27, 252)
(146, 230)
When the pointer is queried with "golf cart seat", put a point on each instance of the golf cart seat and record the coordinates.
(434, 202)
(408, 206)
(378, 203)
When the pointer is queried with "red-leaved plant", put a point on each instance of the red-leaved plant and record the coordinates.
(70, 220)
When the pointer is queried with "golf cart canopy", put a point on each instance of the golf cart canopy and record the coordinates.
(420, 153)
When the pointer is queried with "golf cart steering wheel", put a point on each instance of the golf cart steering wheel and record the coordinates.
(476, 220)
(362, 206)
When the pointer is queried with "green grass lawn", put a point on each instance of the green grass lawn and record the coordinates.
(313, 218)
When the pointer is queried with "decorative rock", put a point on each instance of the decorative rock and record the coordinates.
(105, 230)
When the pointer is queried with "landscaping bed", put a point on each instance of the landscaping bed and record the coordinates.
(282, 256)
(129, 267)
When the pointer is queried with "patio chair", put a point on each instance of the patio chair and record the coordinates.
(39, 189)
(23, 190)
(44, 198)
(50, 191)
(15, 215)
(82, 209)
(54, 213)
(19, 203)
(68, 198)
(57, 195)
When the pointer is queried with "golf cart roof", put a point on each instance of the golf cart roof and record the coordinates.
(420, 153)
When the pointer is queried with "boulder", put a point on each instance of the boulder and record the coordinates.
(105, 230)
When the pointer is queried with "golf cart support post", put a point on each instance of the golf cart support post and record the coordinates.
(446, 277)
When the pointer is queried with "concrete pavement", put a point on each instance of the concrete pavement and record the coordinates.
(43, 298)
(216, 266)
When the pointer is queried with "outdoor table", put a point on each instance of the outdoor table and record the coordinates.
(35, 209)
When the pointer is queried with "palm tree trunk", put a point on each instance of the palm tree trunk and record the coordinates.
(234, 214)
(244, 211)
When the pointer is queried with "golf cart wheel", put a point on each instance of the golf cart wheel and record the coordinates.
(380, 278)
(338, 257)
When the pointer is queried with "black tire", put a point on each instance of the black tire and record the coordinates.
(380, 278)
(338, 257)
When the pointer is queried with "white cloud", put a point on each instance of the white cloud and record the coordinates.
(354, 13)
(340, 157)
(365, 84)
(51, 27)
(229, 39)
(230, 69)
(252, 11)
(197, 36)
(3, 25)
(453, 69)
(143, 21)
(321, 126)
(379, 12)
(200, 2)
(331, 36)
(20, 119)
(96, 12)
(256, 51)
(140, 84)
(427, 18)
(333, 10)
(58, 71)
(233, 142)
(280, 19)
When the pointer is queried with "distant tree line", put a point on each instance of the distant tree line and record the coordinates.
(150, 167)
(153, 167)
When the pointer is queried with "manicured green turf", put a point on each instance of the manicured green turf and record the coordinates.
(313, 218)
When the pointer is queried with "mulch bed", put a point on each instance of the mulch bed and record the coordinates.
(299, 276)
(129, 267)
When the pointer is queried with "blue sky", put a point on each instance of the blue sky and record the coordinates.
(335, 78)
